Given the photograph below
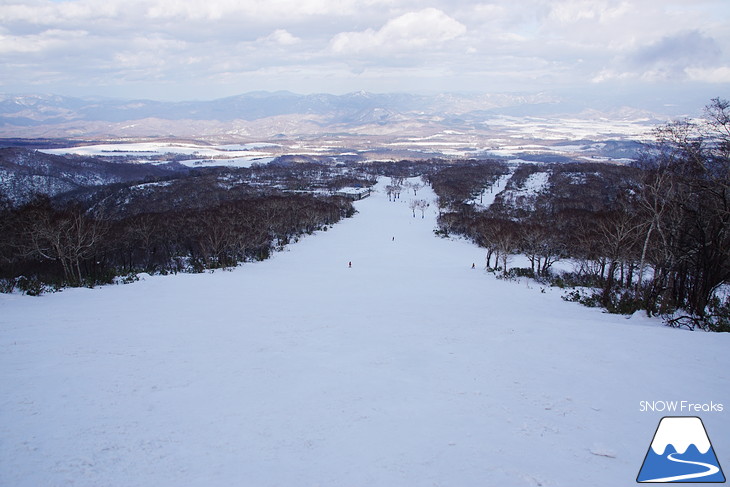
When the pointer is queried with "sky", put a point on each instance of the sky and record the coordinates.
(188, 49)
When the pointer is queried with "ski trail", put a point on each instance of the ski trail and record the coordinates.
(711, 471)
(409, 368)
(488, 195)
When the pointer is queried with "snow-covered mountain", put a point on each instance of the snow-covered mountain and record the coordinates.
(265, 114)
(29, 109)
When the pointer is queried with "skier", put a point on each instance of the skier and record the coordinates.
(350, 264)
(473, 266)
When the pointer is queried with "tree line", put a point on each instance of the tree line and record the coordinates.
(201, 221)
(654, 235)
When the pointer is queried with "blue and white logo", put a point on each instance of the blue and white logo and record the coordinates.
(681, 452)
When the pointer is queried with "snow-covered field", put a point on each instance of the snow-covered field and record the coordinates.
(499, 136)
(407, 369)
(589, 126)
(233, 155)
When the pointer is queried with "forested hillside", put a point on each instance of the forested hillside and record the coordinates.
(25, 173)
(201, 220)
(653, 236)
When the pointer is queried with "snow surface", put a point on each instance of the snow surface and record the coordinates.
(231, 162)
(523, 195)
(232, 155)
(408, 369)
(571, 128)
(488, 195)
(536, 183)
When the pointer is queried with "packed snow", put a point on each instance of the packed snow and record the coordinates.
(488, 195)
(536, 183)
(523, 194)
(409, 368)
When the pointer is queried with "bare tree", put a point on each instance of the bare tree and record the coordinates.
(617, 233)
(541, 246)
(393, 192)
(422, 205)
(68, 237)
(413, 204)
(687, 204)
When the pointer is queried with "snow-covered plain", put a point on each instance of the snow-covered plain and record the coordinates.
(408, 369)
(589, 126)
(233, 155)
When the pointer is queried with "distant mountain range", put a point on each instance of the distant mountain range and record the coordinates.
(35, 109)
(266, 114)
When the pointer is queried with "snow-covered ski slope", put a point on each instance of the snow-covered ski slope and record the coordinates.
(408, 369)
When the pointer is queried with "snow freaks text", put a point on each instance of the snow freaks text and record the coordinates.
(680, 407)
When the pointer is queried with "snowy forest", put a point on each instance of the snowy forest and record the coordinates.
(653, 235)
(206, 220)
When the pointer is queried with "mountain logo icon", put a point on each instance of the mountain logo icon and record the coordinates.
(680, 452)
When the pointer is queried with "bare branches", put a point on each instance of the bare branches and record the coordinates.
(79, 249)
(67, 237)
(666, 220)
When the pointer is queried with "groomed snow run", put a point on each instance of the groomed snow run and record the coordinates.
(408, 369)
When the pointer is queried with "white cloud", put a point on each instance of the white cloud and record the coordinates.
(486, 44)
(49, 11)
(682, 56)
(719, 74)
(43, 12)
(282, 37)
(136, 60)
(413, 30)
(572, 11)
(50, 40)
(488, 12)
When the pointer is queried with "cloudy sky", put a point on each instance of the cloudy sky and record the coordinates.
(204, 49)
